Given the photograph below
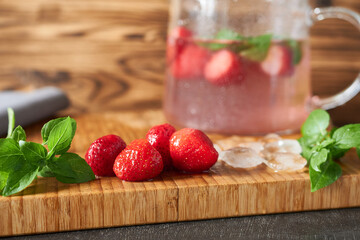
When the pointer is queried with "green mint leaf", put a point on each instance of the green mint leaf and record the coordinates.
(330, 172)
(316, 124)
(318, 158)
(295, 47)
(347, 136)
(48, 127)
(3, 179)
(34, 153)
(20, 179)
(306, 148)
(11, 117)
(10, 155)
(259, 47)
(18, 134)
(337, 152)
(46, 172)
(71, 168)
(227, 34)
(61, 136)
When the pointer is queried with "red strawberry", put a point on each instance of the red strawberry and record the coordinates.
(223, 67)
(176, 41)
(159, 137)
(139, 161)
(192, 151)
(278, 61)
(190, 63)
(102, 153)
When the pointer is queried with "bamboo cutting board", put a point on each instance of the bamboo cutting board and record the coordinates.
(50, 206)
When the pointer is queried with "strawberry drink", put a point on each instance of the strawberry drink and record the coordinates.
(236, 85)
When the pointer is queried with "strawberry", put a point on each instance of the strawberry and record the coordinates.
(159, 137)
(278, 61)
(190, 63)
(223, 67)
(139, 161)
(176, 41)
(102, 153)
(192, 151)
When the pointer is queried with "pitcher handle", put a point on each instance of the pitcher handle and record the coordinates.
(319, 14)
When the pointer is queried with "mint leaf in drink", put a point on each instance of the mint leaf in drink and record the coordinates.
(318, 158)
(34, 153)
(316, 124)
(330, 172)
(46, 172)
(60, 137)
(227, 34)
(295, 47)
(71, 168)
(347, 136)
(259, 47)
(18, 134)
(20, 178)
(10, 154)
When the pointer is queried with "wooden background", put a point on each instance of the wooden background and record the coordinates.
(108, 55)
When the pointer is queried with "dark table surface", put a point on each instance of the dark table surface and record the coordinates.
(328, 224)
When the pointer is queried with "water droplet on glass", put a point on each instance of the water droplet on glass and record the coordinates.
(241, 157)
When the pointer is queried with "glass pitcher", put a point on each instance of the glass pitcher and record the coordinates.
(243, 67)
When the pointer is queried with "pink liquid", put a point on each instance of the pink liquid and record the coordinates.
(257, 104)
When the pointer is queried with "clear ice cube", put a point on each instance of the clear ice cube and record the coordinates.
(241, 157)
(285, 161)
(256, 146)
(283, 145)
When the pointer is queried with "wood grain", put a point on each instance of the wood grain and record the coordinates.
(50, 206)
(109, 55)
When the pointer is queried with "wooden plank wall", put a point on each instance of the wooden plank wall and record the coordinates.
(109, 54)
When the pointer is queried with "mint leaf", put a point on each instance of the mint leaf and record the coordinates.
(60, 137)
(3, 179)
(71, 168)
(259, 47)
(10, 155)
(330, 172)
(18, 134)
(318, 158)
(20, 179)
(11, 117)
(46, 172)
(316, 124)
(347, 136)
(295, 47)
(48, 127)
(337, 152)
(227, 34)
(306, 148)
(34, 153)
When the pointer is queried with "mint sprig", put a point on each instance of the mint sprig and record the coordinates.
(21, 161)
(322, 147)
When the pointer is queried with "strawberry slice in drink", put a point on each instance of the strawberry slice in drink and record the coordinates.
(176, 41)
(278, 61)
(223, 67)
(190, 63)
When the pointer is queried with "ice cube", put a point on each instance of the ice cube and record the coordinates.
(284, 145)
(229, 142)
(256, 146)
(285, 161)
(271, 137)
(241, 157)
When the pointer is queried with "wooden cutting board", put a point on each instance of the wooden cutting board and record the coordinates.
(50, 206)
